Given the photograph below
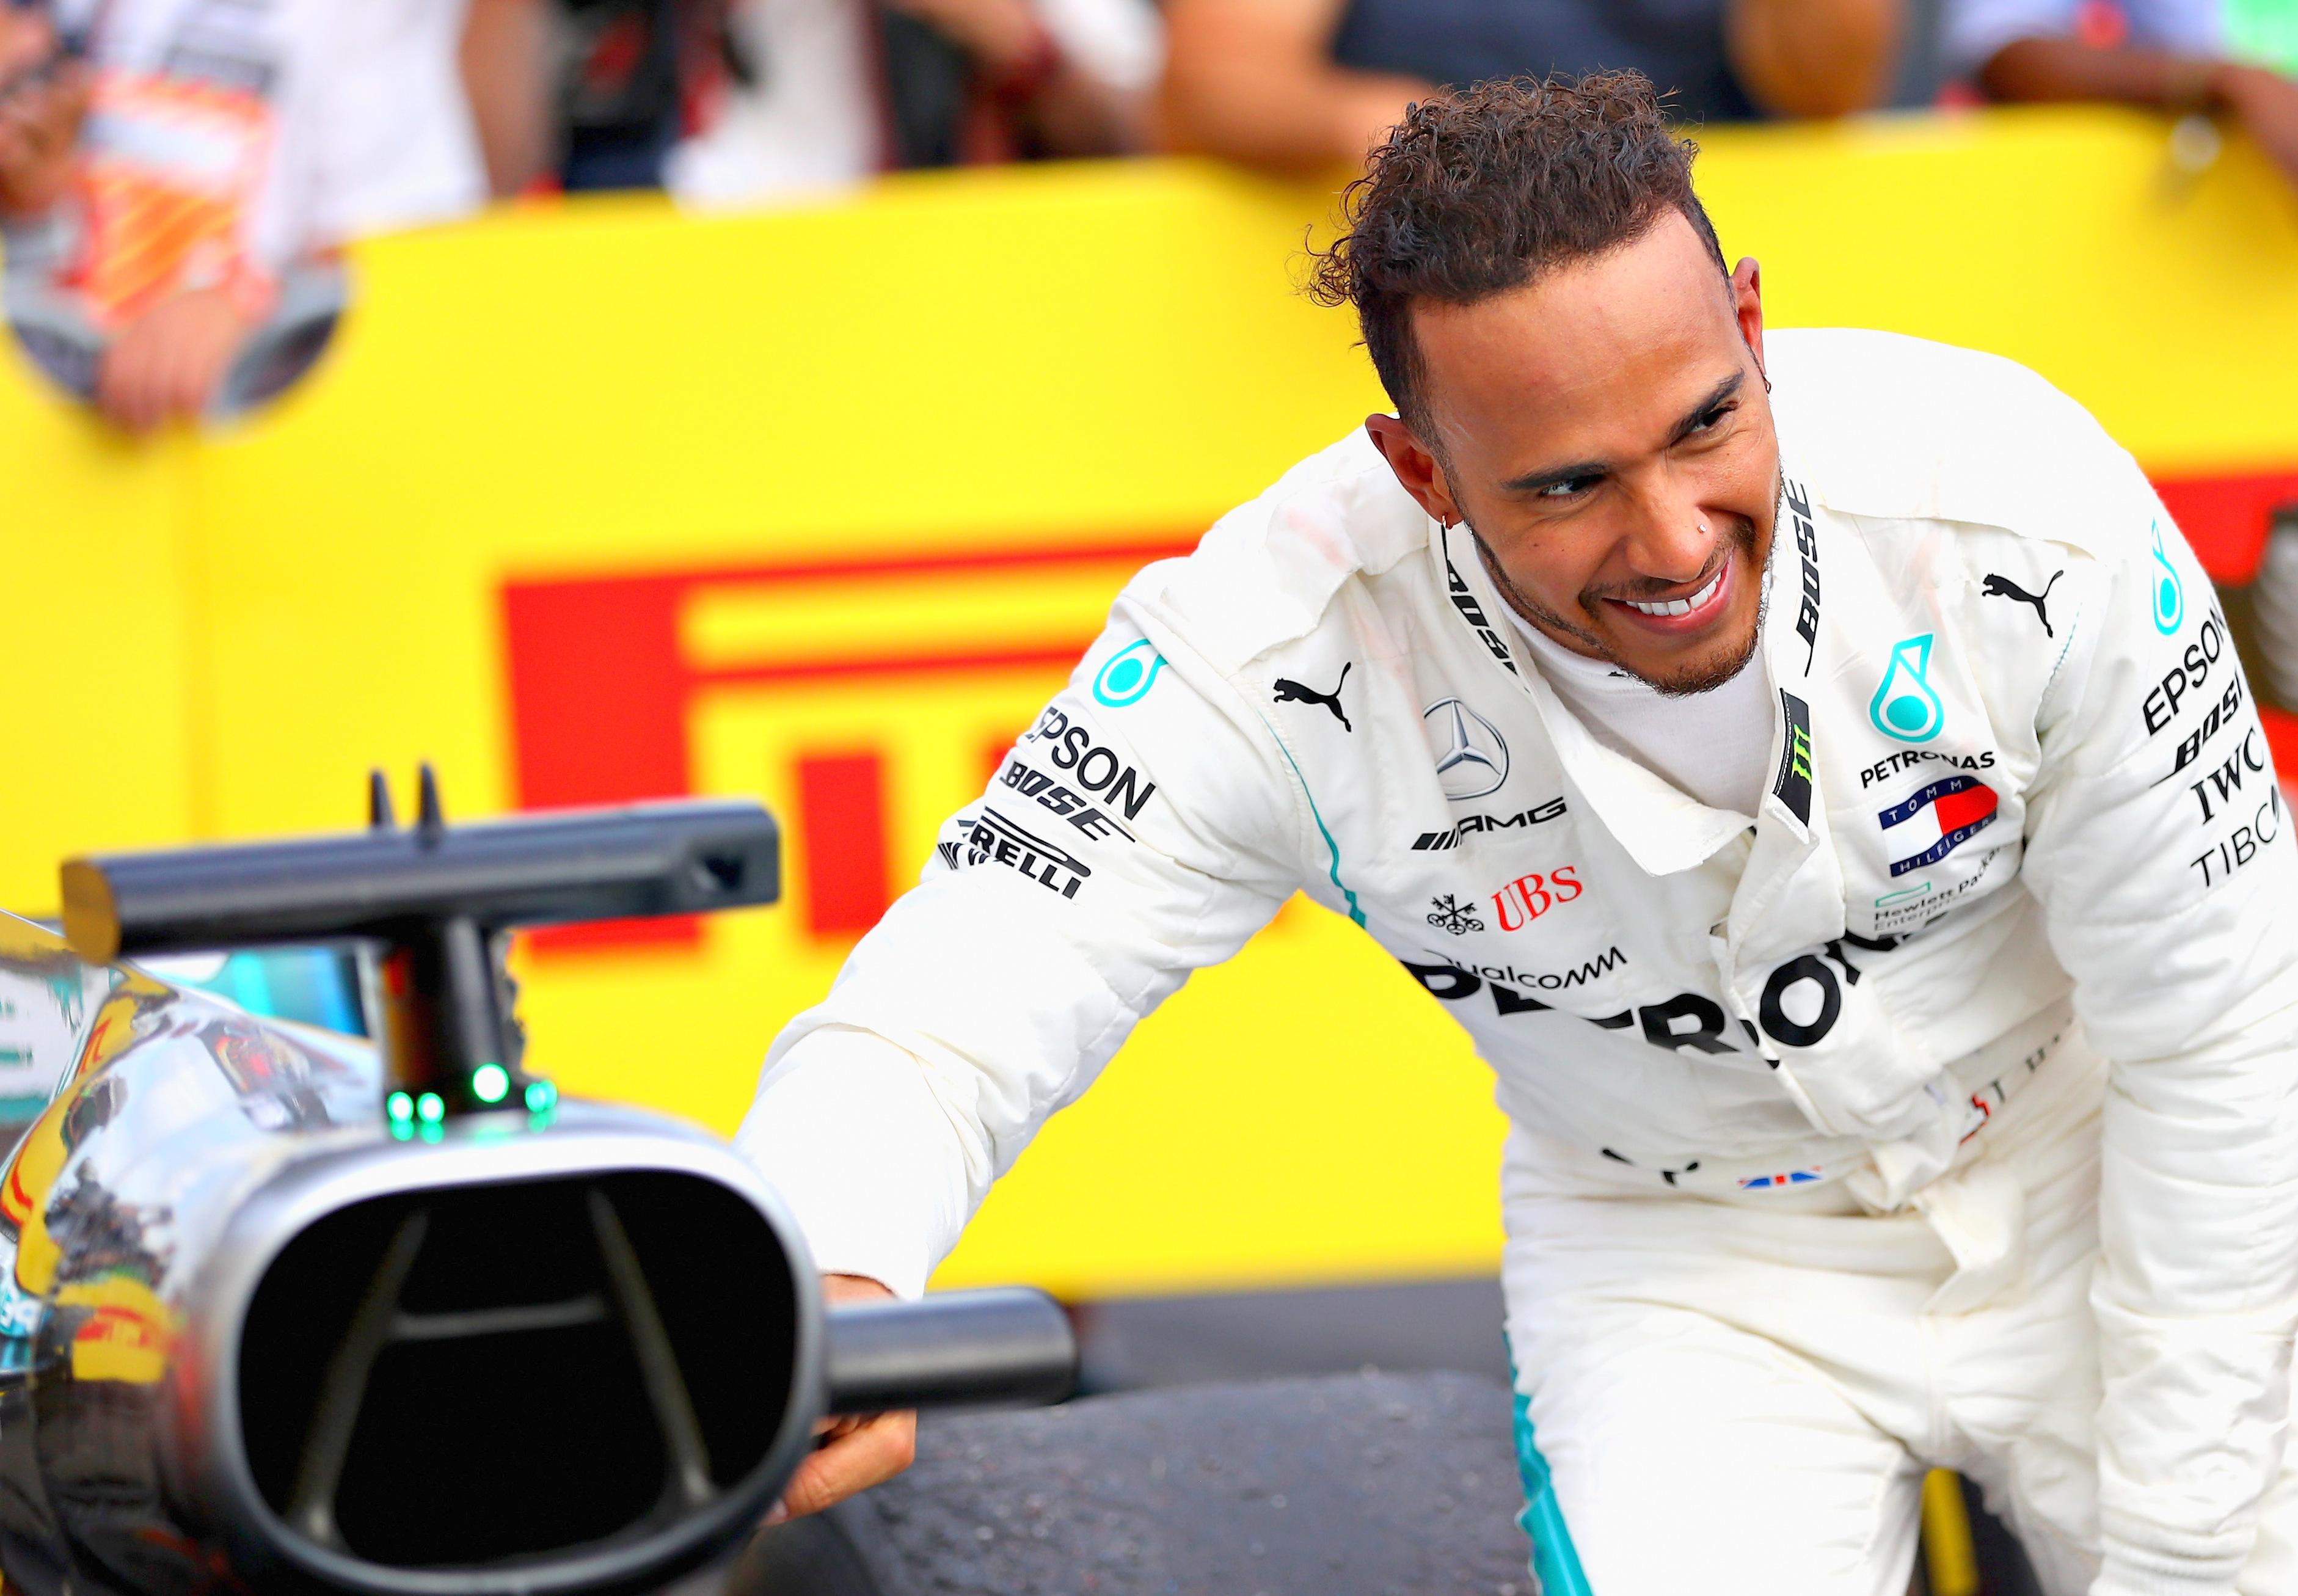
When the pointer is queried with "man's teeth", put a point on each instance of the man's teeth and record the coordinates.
(1680, 607)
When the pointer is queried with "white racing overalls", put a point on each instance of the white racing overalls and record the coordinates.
(1943, 1115)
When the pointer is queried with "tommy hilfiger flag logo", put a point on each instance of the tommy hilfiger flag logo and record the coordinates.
(1756, 1183)
(1939, 818)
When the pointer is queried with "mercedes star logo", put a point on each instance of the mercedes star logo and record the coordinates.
(1471, 757)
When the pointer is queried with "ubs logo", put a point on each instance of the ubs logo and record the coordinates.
(1472, 758)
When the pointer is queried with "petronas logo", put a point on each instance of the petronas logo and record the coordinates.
(1904, 706)
(2169, 593)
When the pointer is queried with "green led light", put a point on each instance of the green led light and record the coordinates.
(400, 1130)
(400, 1106)
(491, 1083)
(431, 1133)
(429, 1108)
(539, 1096)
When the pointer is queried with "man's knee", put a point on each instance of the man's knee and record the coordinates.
(1704, 1458)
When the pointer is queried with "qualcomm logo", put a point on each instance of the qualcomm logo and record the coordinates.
(1471, 757)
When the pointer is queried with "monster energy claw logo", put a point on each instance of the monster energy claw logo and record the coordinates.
(1904, 706)
(1793, 784)
(2170, 594)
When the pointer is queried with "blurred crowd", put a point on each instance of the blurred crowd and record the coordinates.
(177, 176)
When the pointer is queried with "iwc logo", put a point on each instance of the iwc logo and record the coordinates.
(1472, 759)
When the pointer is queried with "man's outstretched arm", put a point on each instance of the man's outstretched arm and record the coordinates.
(1140, 831)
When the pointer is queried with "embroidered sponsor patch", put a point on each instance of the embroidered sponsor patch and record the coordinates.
(1939, 818)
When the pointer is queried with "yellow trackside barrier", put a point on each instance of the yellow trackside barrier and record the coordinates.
(592, 501)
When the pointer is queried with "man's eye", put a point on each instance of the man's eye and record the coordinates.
(1571, 487)
(1708, 420)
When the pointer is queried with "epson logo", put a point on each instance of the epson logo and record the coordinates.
(2160, 705)
(1071, 747)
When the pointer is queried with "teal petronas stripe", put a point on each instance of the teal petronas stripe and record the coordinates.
(1555, 1560)
(1355, 912)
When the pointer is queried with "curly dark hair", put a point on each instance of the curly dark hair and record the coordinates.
(1481, 190)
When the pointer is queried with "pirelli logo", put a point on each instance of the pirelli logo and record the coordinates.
(854, 663)
(992, 839)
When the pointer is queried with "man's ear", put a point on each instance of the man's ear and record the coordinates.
(1416, 466)
(1747, 305)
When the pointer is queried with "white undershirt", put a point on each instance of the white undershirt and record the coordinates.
(1715, 745)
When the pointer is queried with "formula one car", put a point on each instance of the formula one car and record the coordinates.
(287, 1310)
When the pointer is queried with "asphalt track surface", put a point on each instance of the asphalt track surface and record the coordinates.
(1357, 1485)
(1198, 1415)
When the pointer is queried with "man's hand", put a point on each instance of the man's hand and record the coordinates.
(42, 102)
(1254, 81)
(2265, 103)
(1815, 57)
(1002, 35)
(851, 1453)
(167, 361)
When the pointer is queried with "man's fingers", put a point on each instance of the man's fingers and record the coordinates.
(120, 382)
(183, 391)
(132, 393)
(195, 364)
(862, 1457)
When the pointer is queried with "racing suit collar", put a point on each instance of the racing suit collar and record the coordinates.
(1663, 831)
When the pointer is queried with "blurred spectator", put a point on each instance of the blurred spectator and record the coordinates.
(631, 66)
(822, 93)
(1297, 85)
(2168, 55)
(504, 62)
(43, 96)
(176, 174)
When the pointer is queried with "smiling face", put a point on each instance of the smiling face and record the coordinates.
(1606, 433)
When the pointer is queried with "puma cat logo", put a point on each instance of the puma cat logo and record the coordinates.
(2002, 587)
(1292, 692)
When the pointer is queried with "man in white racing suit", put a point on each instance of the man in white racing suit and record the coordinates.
(1814, 770)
